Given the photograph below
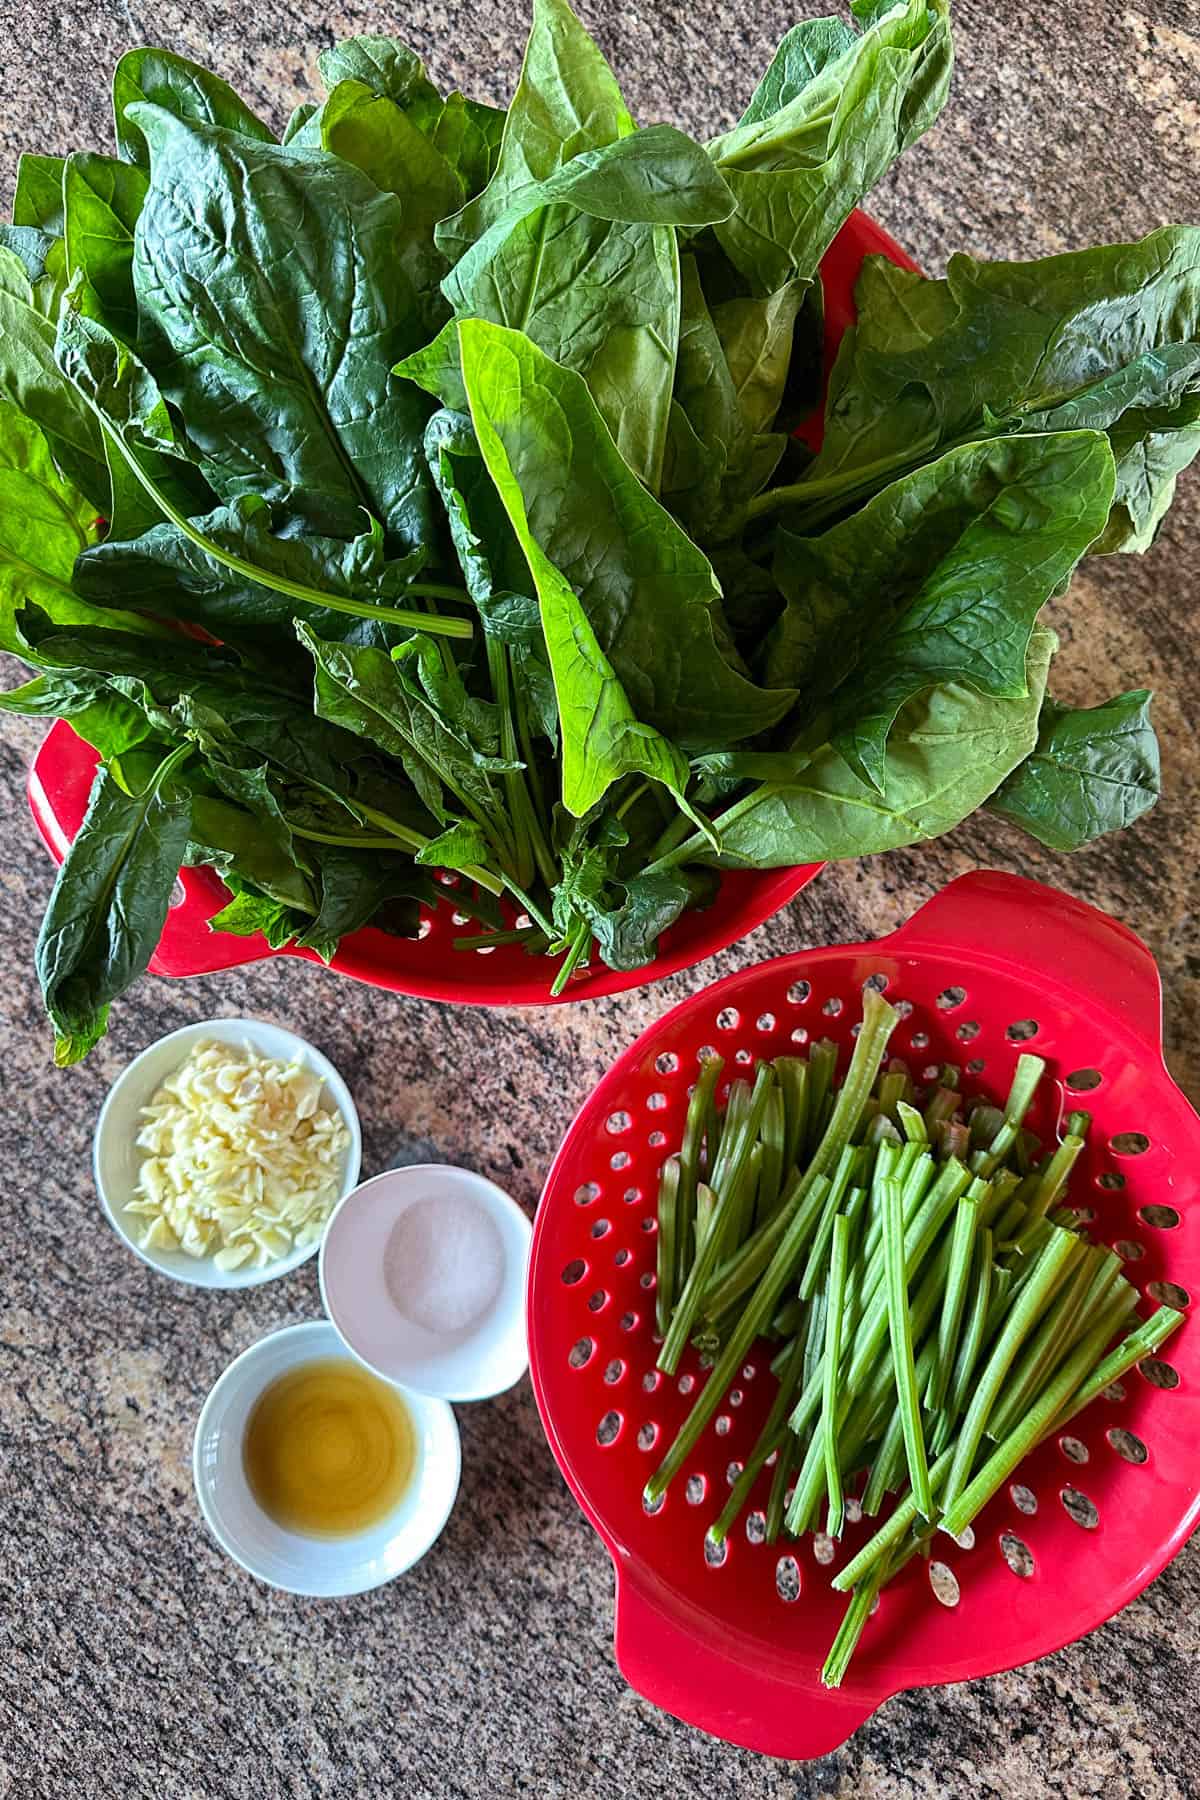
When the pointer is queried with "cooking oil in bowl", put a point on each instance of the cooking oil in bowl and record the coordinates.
(329, 1450)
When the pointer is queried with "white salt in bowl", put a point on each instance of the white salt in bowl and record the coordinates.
(423, 1278)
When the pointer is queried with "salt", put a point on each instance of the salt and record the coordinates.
(443, 1263)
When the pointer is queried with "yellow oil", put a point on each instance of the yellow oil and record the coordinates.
(329, 1449)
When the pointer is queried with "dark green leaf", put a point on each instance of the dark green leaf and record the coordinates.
(109, 902)
(274, 307)
(1107, 339)
(1094, 769)
(31, 380)
(947, 751)
(38, 196)
(798, 172)
(468, 135)
(102, 199)
(182, 88)
(939, 578)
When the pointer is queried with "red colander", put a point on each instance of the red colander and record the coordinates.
(992, 966)
(430, 967)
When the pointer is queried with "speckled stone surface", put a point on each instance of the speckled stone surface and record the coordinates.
(135, 1661)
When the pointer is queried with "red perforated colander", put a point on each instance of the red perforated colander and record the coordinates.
(430, 967)
(992, 966)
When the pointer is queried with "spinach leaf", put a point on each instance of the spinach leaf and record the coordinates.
(273, 307)
(804, 53)
(44, 525)
(798, 172)
(233, 841)
(949, 748)
(385, 67)
(379, 138)
(642, 590)
(102, 199)
(468, 134)
(169, 574)
(107, 721)
(181, 87)
(938, 578)
(38, 195)
(1107, 339)
(1094, 769)
(31, 381)
(567, 101)
(109, 902)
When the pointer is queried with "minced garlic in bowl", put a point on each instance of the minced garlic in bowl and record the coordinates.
(241, 1160)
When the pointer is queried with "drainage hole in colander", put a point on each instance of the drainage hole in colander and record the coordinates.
(823, 1547)
(601, 1227)
(1129, 1143)
(1073, 1449)
(1170, 1294)
(628, 1320)
(1084, 1214)
(580, 1352)
(598, 1299)
(799, 993)
(647, 1435)
(423, 929)
(649, 1224)
(965, 1539)
(735, 1396)
(745, 1057)
(765, 1021)
(657, 1139)
(728, 1019)
(646, 1279)
(589, 1191)
(621, 1258)
(695, 1490)
(1082, 1081)
(1127, 1444)
(631, 1195)
(749, 1372)
(854, 1511)
(1112, 1181)
(617, 1121)
(705, 1053)
(756, 1528)
(686, 1383)
(653, 1506)
(1079, 1509)
(723, 1425)
(799, 1036)
(904, 1008)
(976, 1066)
(732, 1471)
(651, 1381)
(667, 1063)
(875, 984)
(608, 1430)
(968, 1031)
(920, 1040)
(833, 1007)
(931, 1072)
(1129, 1249)
(1023, 1498)
(951, 996)
(716, 1555)
(1017, 1555)
(1158, 1373)
(574, 1271)
(787, 1579)
(944, 1583)
(614, 1370)
(620, 1159)
(1021, 1030)
(1162, 1218)
(1114, 1391)
(655, 1102)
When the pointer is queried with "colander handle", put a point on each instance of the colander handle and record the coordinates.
(1027, 925)
(666, 1661)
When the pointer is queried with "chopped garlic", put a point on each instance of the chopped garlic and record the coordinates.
(242, 1162)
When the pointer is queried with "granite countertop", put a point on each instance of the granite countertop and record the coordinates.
(134, 1659)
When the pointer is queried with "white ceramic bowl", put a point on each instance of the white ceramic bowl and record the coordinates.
(116, 1158)
(287, 1559)
(474, 1362)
